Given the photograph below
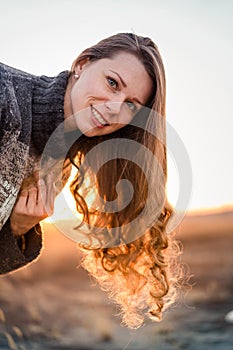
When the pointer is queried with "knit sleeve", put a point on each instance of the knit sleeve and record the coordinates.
(18, 252)
(14, 142)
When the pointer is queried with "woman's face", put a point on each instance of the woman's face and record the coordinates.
(108, 93)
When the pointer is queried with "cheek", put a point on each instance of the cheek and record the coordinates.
(79, 98)
(74, 96)
(82, 95)
(126, 116)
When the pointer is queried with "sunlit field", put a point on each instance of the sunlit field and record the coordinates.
(53, 304)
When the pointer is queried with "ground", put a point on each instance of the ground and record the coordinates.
(54, 305)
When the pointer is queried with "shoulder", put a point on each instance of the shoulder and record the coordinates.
(11, 71)
(12, 79)
(3, 68)
(4, 74)
(13, 76)
(4, 78)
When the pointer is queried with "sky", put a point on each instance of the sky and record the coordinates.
(195, 41)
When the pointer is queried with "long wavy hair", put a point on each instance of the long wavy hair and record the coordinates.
(127, 251)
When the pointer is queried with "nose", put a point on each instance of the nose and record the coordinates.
(113, 107)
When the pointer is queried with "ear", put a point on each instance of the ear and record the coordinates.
(81, 65)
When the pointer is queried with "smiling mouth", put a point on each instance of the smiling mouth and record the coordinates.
(98, 117)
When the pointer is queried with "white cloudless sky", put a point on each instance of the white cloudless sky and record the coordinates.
(195, 40)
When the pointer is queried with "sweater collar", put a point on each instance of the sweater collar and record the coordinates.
(48, 109)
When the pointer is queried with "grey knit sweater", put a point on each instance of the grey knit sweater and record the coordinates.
(31, 108)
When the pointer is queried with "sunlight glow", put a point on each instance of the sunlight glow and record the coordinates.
(65, 205)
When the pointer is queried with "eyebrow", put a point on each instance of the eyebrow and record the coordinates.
(122, 81)
(125, 85)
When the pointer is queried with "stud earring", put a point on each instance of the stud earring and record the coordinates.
(76, 76)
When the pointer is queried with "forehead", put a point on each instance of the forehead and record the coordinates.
(124, 61)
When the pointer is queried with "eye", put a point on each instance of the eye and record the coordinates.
(112, 82)
(131, 106)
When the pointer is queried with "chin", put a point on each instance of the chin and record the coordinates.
(90, 134)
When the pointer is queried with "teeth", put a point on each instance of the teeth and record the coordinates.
(98, 116)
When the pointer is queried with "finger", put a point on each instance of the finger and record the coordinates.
(23, 193)
(32, 199)
(22, 200)
(42, 190)
(42, 197)
(51, 194)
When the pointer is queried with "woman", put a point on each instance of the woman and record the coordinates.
(103, 97)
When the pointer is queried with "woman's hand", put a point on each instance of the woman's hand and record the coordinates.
(32, 206)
